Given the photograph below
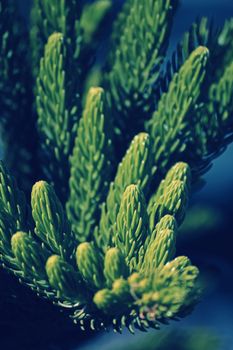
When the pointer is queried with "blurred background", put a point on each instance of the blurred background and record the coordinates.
(206, 238)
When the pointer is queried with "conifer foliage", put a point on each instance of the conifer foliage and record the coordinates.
(98, 237)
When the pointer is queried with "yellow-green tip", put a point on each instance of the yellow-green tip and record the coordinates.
(112, 252)
(37, 189)
(39, 184)
(16, 238)
(131, 189)
(103, 299)
(141, 137)
(95, 94)
(201, 52)
(82, 247)
(52, 261)
(82, 250)
(181, 166)
(55, 38)
(121, 287)
(93, 91)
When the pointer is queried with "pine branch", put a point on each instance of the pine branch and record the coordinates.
(201, 33)
(218, 111)
(174, 284)
(7, 229)
(135, 168)
(119, 24)
(106, 288)
(159, 251)
(171, 195)
(90, 264)
(93, 15)
(153, 252)
(13, 215)
(21, 253)
(58, 111)
(64, 279)
(28, 264)
(114, 266)
(76, 22)
(139, 50)
(52, 226)
(208, 117)
(12, 200)
(50, 16)
(225, 47)
(30, 257)
(91, 166)
(171, 124)
(131, 225)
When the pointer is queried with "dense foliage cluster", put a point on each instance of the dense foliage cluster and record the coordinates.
(105, 147)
